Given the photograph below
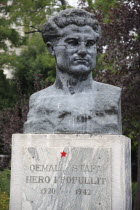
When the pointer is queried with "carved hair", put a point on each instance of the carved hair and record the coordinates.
(51, 30)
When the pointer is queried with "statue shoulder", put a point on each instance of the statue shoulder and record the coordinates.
(41, 94)
(108, 90)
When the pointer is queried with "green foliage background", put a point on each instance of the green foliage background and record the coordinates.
(34, 68)
(4, 189)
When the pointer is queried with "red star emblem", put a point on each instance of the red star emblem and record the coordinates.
(63, 154)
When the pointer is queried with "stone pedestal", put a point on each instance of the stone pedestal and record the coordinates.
(70, 172)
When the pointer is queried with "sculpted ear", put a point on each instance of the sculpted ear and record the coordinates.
(50, 48)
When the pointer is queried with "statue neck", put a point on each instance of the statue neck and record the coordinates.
(73, 83)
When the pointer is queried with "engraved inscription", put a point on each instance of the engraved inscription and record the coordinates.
(81, 180)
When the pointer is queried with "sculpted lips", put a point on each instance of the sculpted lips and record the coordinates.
(81, 60)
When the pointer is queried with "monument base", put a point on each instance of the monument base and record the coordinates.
(70, 172)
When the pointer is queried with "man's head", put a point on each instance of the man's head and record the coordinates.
(71, 37)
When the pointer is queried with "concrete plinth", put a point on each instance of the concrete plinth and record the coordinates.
(70, 172)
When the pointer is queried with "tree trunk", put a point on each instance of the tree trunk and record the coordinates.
(137, 200)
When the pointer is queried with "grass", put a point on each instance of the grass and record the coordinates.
(4, 189)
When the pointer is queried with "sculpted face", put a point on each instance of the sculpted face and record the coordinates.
(75, 52)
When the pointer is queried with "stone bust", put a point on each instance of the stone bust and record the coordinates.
(75, 103)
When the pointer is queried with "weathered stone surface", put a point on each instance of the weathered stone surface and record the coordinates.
(96, 111)
(75, 103)
(89, 174)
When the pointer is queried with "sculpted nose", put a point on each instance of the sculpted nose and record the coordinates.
(82, 50)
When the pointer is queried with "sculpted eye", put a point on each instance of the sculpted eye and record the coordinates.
(90, 43)
(72, 42)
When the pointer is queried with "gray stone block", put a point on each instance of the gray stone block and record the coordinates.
(70, 172)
